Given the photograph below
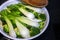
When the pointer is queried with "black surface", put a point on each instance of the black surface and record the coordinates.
(52, 32)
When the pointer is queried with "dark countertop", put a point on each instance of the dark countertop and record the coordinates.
(51, 33)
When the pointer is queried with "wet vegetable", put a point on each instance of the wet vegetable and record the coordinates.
(22, 21)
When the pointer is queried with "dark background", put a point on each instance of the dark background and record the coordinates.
(52, 32)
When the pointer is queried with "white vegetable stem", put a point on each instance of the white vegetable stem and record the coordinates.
(26, 13)
(22, 30)
(27, 21)
(11, 30)
(36, 20)
(35, 9)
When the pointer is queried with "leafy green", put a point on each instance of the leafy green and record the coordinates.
(43, 17)
(6, 28)
(42, 25)
(21, 13)
(34, 31)
(11, 29)
(4, 12)
(29, 10)
(36, 15)
(14, 9)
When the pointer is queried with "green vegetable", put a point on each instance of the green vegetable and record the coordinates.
(13, 7)
(42, 25)
(32, 10)
(36, 15)
(6, 28)
(17, 33)
(28, 26)
(22, 21)
(26, 9)
(22, 30)
(11, 29)
(34, 31)
(26, 13)
(14, 10)
(29, 10)
(43, 17)
(27, 21)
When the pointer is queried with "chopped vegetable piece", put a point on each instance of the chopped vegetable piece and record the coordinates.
(26, 13)
(27, 21)
(11, 30)
(22, 30)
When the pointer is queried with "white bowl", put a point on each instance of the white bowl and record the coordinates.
(7, 3)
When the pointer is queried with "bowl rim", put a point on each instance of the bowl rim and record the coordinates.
(48, 18)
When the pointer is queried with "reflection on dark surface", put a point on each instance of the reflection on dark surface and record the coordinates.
(51, 33)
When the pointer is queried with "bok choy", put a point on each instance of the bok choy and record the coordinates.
(11, 29)
(26, 13)
(22, 21)
(27, 21)
(22, 30)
